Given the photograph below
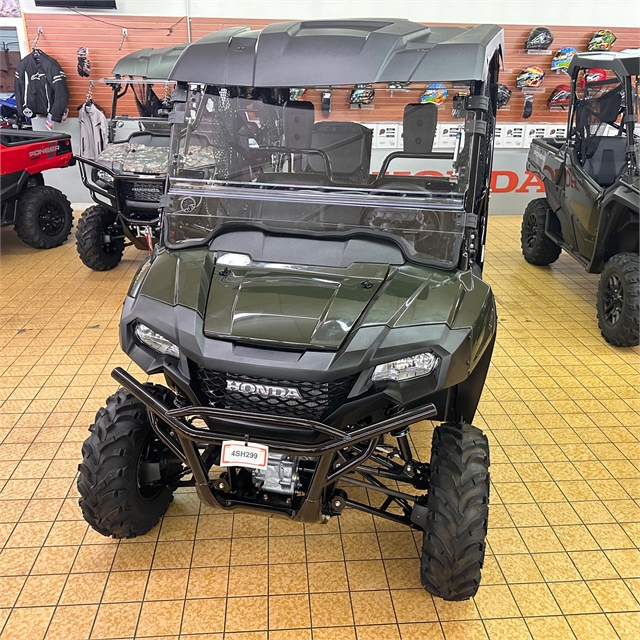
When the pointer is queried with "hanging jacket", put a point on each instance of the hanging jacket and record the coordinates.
(93, 131)
(41, 86)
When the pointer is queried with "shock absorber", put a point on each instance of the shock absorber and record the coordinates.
(403, 443)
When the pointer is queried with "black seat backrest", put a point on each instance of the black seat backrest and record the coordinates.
(419, 127)
(348, 147)
(149, 139)
(298, 122)
(605, 159)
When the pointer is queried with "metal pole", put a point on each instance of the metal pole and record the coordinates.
(188, 14)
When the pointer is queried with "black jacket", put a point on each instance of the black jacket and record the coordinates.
(41, 86)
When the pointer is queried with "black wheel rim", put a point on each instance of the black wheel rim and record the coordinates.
(530, 230)
(51, 218)
(613, 299)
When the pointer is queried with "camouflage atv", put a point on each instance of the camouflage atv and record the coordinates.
(127, 179)
(305, 305)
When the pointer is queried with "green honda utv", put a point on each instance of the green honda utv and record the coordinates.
(312, 297)
(592, 183)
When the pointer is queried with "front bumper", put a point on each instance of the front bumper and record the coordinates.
(121, 194)
(171, 426)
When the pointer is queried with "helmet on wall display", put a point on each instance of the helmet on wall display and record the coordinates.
(296, 94)
(602, 40)
(593, 75)
(398, 85)
(530, 77)
(504, 95)
(362, 94)
(436, 92)
(563, 58)
(560, 96)
(539, 39)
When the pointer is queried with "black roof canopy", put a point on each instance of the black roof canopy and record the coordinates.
(339, 52)
(623, 63)
(152, 64)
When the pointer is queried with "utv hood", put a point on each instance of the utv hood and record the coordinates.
(307, 306)
(298, 305)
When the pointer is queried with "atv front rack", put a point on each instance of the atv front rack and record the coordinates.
(182, 438)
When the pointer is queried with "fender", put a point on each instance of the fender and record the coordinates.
(619, 201)
(12, 185)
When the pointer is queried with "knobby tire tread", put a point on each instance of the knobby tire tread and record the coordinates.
(89, 240)
(544, 250)
(27, 226)
(457, 504)
(108, 474)
(626, 332)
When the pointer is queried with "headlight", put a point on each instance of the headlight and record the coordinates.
(413, 367)
(156, 341)
(104, 176)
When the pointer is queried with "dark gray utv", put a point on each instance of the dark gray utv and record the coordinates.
(305, 305)
(593, 190)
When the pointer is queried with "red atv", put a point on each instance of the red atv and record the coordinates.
(42, 216)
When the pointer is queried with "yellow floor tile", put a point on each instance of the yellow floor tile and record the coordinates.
(574, 597)
(331, 609)
(550, 628)
(535, 599)
(613, 596)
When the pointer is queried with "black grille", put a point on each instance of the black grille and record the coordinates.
(140, 191)
(318, 399)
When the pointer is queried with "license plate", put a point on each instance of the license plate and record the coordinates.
(241, 454)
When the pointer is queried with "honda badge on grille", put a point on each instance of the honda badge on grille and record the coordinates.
(264, 390)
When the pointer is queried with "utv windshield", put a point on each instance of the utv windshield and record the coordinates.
(340, 161)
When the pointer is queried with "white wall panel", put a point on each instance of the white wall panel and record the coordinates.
(591, 13)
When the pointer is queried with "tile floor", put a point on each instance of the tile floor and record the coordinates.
(561, 408)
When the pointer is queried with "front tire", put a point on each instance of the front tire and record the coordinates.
(117, 498)
(618, 300)
(537, 248)
(457, 512)
(44, 217)
(94, 225)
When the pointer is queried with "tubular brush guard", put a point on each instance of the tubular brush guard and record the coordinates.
(182, 439)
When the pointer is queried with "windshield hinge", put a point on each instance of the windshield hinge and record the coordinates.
(478, 127)
(478, 103)
(180, 93)
(629, 117)
(178, 113)
(164, 201)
